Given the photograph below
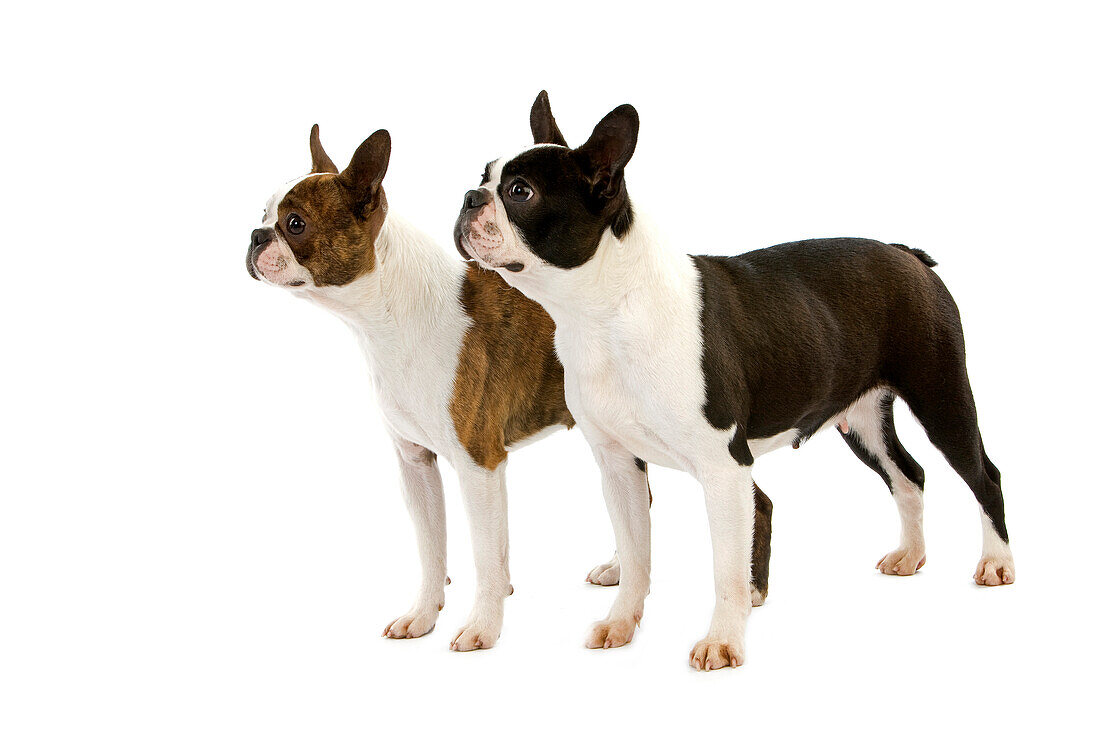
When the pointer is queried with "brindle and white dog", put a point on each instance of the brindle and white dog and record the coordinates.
(463, 366)
(703, 363)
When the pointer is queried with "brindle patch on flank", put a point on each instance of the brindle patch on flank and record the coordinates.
(509, 384)
(336, 246)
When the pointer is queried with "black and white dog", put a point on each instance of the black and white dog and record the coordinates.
(703, 363)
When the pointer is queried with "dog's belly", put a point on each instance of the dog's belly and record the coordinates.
(534, 438)
(798, 435)
(666, 428)
(760, 446)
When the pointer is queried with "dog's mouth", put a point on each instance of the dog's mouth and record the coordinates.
(462, 242)
(469, 252)
(258, 274)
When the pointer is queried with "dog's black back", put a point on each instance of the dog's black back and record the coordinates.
(794, 334)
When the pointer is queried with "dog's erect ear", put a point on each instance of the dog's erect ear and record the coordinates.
(609, 149)
(321, 162)
(543, 126)
(363, 176)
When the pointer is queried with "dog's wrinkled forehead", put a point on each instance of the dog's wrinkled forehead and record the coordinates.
(271, 208)
(551, 169)
(543, 160)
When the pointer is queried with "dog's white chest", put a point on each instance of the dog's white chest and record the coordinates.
(405, 412)
(413, 390)
(618, 384)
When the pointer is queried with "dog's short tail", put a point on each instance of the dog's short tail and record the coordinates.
(920, 254)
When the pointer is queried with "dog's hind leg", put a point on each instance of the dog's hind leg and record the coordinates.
(761, 545)
(872, 437)
(606, 573)
(950, 418)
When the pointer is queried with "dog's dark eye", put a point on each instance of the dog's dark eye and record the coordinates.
(295, 224)
(520, 191)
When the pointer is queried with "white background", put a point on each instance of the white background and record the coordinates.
(200, 525)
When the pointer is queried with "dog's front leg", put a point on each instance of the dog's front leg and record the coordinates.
(626, 491)
(484, 494)
(728, 493)
(422, 487)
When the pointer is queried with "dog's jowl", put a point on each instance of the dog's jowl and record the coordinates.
(704, 363)
(463, 365)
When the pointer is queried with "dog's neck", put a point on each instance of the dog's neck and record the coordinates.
(412, 289)
(638, 264)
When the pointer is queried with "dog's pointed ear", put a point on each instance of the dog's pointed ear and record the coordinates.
(321, 162)
(363, 177)
(543, 126)
(609, 149)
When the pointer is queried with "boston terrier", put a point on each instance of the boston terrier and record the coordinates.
(463, 366)
(703, 363)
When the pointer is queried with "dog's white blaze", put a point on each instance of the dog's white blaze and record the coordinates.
(271, 208)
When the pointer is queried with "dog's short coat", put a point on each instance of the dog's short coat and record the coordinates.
(463, 365)
(704, 363)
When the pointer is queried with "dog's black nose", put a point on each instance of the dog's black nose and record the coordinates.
(476, 198)
(261, 237)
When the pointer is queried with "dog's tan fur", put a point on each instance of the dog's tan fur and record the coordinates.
(509, 384)
(336, 247)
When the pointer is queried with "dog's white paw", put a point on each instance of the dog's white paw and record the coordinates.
(995, 571)
(610, 633)
(902, 561)
(417, 622)
(476, 634)
(605, 574)
(757, 598)
(715, 653)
